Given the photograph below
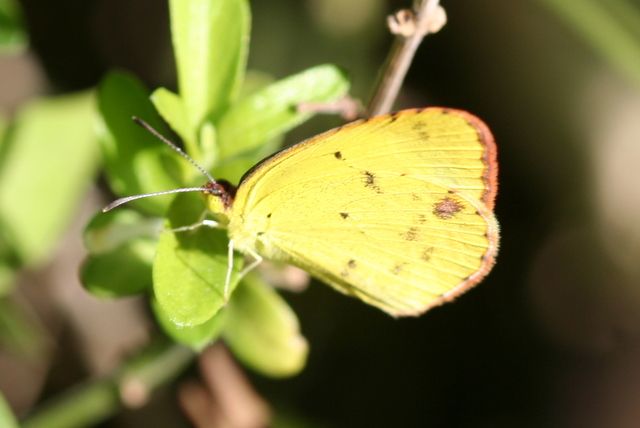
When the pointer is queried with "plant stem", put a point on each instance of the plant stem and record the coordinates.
(91, 402)
(399, 59)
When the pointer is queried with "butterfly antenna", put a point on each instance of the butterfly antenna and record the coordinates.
(126, 199)
(169, 143)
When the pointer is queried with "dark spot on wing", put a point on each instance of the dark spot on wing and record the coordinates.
(269, 215)
(426, 254)
(344, 215)
(415, 197)
(447, 208)
(422, 218)
(411, 234)
(351, 264)
(260, 233)
(370, 181)
(397, 268)
(338, 155)
(394, 117)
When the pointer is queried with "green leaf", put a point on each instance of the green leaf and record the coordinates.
(233, 169)
(170, 107)
(12, 34)
(196, 337)
(123, 272)
(209, 153)
(50, 161)
(263, 331)
(108, 231)
(7, 419)
(190, 267)
(136, 162)
(272, 111)
(210, 40)
(122, 244)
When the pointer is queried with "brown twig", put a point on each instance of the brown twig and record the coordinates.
(348, 108)
(410, 27)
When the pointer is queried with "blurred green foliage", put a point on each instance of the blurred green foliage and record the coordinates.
(12, 33)
(610, 27)
(44, 172)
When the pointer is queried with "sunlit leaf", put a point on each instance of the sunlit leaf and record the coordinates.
(271, 111)
(210, 40)
(196, 337)
(171, 108)
(190, 267)
(263, 331)
(136, 162)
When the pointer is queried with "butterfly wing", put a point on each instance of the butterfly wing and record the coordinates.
(395, 210)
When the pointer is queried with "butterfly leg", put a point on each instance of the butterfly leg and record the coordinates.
(257, 259)
(202, 221)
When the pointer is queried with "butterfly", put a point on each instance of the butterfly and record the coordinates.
(396, 210)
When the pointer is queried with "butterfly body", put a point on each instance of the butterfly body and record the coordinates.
(395, 210)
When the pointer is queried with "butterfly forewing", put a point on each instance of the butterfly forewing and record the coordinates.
(395, 210)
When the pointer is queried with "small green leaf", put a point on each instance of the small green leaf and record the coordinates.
(50, 161)
(272, 111)
(121, 245)
(190, 267)
(136, 162)
(12, 34)
(254, 80)
(123, 272)
(170, 107)
(108, 231)
(7, 419)
(263, 331)
(233, 169)
(210, 40)
(209, 153)
(196, 337)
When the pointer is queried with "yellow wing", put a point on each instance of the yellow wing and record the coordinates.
(395, 210)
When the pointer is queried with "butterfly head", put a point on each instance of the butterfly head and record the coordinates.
(220, 195)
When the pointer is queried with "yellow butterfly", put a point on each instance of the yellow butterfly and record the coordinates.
(396, 210)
